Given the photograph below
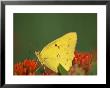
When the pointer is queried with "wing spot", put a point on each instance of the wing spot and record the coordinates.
(68, 45)
(67, 60)
(58, 55)
(57, 46)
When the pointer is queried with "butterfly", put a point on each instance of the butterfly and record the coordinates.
(60, 51)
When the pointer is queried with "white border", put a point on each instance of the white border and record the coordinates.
(100, 78)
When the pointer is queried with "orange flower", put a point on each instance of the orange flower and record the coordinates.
(27, 67)
(31, 65)
(18, 69)
(83, 59)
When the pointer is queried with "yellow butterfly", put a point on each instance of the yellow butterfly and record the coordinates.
(59, 51)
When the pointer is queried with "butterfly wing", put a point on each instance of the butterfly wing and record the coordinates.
(59, 51)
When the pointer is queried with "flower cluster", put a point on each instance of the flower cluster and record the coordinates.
(82, 63)
(26, 67)
(83, 59)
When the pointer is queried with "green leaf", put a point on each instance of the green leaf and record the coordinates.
(62, 70)
(40, 70)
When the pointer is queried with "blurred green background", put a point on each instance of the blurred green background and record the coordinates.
(32, 31)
